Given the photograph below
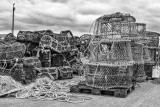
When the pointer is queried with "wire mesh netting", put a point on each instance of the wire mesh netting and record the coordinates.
(11, 50)
(116, 52)
(137, 52)
(103, 76)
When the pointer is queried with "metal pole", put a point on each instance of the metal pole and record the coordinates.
(13, 19)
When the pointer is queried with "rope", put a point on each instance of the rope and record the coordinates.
(45, 89)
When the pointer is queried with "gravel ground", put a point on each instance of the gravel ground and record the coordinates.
(147, 95)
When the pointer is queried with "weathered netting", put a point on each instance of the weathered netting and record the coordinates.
(51, 72)
(49, 42)
(111, 52)
(137, 52)
(29, 36)
(31, 61)
(116, 52)
(152, 53)
(146, 56)
(11, 50)
(138, 72)
(105, 77)
(46, 41)
(20, 69)
(45, 57)
(116, 25)
(110, 64)
(140, 56)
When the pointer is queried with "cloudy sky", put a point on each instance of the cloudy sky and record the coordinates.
(75, 15)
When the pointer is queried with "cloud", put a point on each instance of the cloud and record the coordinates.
(75, 15)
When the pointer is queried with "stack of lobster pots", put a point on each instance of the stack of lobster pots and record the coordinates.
(117, 51)
(32, 55)
(51, 58)
(153, 50)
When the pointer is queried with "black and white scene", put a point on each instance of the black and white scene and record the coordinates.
(79, 53)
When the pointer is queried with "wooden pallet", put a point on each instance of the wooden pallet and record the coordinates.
(117, 92)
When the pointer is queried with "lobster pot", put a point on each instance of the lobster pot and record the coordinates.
(30, 47)
(65, 72)
(146, 56)
(10, 51)
(45, 54)
(104, 76)
(148, 68)
(28, 36)
(110, 51)
(46, 63)
(6, 66)
(51, 72)
(32, 61)
(152, 53)
(57, 60)
(35, 51)
(138, 72)
(18, 74)
(45, 57)
(46, 41)
(72, 60)
(137, 52)
(30, 74)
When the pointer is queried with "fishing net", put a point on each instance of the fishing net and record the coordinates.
(8, 85)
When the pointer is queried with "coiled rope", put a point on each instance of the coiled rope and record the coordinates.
(45, 89)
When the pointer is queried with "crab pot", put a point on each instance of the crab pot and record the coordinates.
(65, 72)
(6, 66)
(33, 61)
(57, 60)
(35, 51)
(148, 68)
(45, 54)
(11, 51)
(18, 74)
(30, 73)
(45, 71)
(45, 57)
(46, 63)
(139, 73)
(104, 76)
(152, 53)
